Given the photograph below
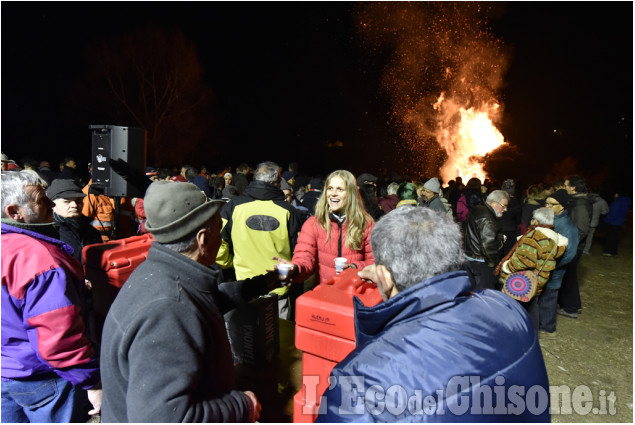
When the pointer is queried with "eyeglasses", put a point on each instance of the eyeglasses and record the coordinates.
(503, 206)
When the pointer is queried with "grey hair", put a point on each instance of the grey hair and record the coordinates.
(188, 242)
(392, 188)
(415, 244)
(13, 184)
(267, 172)
(185, 244)
(497, 196)
(43, 182)
(543, 216)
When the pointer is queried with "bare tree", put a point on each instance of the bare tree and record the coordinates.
(150, 78)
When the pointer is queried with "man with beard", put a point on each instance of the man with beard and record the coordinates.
(483, 239)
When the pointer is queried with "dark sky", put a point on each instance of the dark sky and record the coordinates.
(289, 77)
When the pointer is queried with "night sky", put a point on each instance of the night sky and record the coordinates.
(288, 78)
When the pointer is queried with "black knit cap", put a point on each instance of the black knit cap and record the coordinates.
(562, 196)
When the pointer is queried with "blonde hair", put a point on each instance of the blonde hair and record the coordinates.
(356, 214)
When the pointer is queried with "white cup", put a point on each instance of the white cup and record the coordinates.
(283, 270)
(340, 262)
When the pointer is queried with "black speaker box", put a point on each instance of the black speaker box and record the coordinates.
(116, 142)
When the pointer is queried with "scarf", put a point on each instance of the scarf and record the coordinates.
(407, 202)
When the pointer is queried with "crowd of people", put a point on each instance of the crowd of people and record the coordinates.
(439, 255)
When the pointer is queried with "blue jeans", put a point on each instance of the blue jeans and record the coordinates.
(548, 303)
(45, 398)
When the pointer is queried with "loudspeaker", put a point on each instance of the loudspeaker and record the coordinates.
(110, 141)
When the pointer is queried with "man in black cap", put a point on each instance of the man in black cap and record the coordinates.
(366, 178)
(563, 225)
(165, 352)
(367, 185)
(74, 227)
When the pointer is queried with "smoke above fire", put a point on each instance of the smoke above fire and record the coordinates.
(444, 70)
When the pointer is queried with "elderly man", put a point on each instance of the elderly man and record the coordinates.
(548, 301)
(166, 356)
(46, 357)
(433, 351)
(483, 239)
(74, 227)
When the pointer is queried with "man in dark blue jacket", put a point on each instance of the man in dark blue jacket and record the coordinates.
(433, 351)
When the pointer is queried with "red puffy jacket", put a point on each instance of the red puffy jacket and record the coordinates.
(313, 247)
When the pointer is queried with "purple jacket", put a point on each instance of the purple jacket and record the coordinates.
(42, 326)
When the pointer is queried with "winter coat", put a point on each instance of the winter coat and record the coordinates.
(600, 208)
(388, 203)
(580, 210)
(101, 210)
(437, 203)
(202, 183)
(241, 182)
(511, 217)
(313, 248)
(618, 210)
(42, 324)
(482, 238)
(257, 226)
(309, 200)
(527, 211)
(564, 226)
(427, 342)
(466, 202)
(165, 353)
(77, 232)
(537, 250)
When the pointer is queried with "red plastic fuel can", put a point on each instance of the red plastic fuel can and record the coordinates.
(325, 332)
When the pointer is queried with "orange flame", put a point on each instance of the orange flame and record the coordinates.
(467, 135)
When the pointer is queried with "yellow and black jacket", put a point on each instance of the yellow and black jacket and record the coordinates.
(256, 227)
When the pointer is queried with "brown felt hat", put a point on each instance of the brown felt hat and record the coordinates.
(176, 209)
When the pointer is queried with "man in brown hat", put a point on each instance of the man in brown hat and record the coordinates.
(165, 353)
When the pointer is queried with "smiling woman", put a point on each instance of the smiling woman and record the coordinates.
(341, 227)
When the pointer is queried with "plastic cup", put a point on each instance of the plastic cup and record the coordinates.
(283, 270)
(340, 262)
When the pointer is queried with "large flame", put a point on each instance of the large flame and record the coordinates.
(444, 73)
(466, 139)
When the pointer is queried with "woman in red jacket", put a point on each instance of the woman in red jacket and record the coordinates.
(340, 228)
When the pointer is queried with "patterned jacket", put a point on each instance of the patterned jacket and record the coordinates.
(537, 250)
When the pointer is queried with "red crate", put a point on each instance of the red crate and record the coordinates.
(325, 332)
(107, 266)
(329, 307)
(321, 344)
(115, 260)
